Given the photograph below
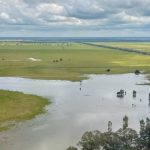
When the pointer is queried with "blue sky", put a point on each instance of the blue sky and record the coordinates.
(75, 18)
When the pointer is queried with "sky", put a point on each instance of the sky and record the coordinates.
(75, 18)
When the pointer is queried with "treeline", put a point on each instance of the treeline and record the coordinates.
(123, 139)
(131, 50)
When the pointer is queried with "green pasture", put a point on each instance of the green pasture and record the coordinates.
(67, 61)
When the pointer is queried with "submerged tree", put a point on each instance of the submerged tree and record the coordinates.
(109, 126)
(125, 122)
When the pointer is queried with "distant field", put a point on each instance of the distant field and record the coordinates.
(68, 61)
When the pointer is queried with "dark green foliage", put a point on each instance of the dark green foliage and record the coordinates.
(144, 140)
(61, 59)
(147, 131)
(128, 139)
(120, 140)
(92, 140)
(71, 148)
(112, 141)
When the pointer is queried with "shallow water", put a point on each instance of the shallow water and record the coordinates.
(75, 110)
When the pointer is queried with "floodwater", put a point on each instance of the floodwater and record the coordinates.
(76, 107)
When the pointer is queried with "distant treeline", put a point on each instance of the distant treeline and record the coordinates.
(119, 48)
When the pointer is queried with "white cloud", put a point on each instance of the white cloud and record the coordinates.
(128, 18)
(73, 14)
(50, 8)
(4, 16)
(6, 19)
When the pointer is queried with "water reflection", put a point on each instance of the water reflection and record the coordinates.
(76, 108)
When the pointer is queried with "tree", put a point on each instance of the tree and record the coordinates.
(92, 141)
(128, 139)
(147, 132)
(123, 139)
(112, 141)
(71, 148)
(142, 140)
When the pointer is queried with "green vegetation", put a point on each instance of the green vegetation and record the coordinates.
(71, 148)
(67, 61)
(123, 139)
(16, 106)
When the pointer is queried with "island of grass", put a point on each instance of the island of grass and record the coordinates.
(16, 106)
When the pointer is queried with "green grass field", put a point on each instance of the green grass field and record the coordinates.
(77, 60)
(16, 106)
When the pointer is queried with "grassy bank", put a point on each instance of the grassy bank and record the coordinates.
(68, 61)
(16, 106)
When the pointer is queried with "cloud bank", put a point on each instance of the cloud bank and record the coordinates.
(74, 18)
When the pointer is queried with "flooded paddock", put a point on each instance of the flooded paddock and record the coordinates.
(76, 107)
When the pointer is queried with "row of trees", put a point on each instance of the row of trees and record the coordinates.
(123, 139)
